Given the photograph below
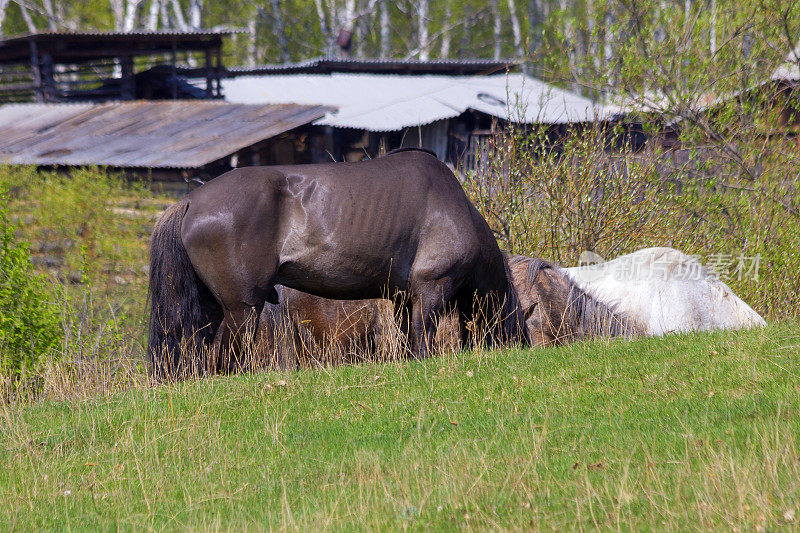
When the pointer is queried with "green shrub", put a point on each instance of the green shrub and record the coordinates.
(29, 326)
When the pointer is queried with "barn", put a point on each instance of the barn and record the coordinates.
(380, 105)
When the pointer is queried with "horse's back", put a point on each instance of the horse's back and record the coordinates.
(667, 290)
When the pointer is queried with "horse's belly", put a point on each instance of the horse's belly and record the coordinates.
(332, 277)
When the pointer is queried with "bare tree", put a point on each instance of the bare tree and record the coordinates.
(3, 9)
(570, 41)
(152, 15)
(515, 28)
(384, 18)
(712, 37)
(279, 30)
(26, 16)
(324, 28)
(364, 21)
(445, 50)
(50, 14)
(422, 29)
(196, 14)
(498, 29)
(180, 20)
(609, 38)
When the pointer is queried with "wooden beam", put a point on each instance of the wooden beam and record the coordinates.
(174, 70)
(209, 73)
(48, 79)
(128, 90)
(37, 74)
(218, 71)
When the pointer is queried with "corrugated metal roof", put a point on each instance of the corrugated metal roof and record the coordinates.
(380, 102)
(165, 134)
(328, 65)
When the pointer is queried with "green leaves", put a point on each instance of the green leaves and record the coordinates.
(29, 324)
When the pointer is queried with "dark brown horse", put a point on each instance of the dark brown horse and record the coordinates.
(396, 225)
(557, 311)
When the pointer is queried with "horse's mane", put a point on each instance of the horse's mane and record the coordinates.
(585, 315)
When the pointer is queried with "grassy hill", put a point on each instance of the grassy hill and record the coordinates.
(686, 432)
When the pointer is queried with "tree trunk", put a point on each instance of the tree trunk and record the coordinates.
(608, 45)
(463, 45)
(152, 15)
(180, 21)
(51, 15)
(363, 24)
(279, 30)
(118, 13)
(131, 12)
(570, 43)
(3, 9)
(515, 28)
(534, 33)
(445, 50)
(196, 14)
(498, 29)
(712, 37)
(591, 27)
(422, 29)
(26, 16)
(323, 27)
(252, 49)
(385, 44)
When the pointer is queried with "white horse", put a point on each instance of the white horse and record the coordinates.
(664, 291)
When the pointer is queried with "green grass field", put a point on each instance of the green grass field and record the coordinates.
(681, 433)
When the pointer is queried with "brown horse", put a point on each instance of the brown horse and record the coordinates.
(557, 311)
(392, 226)
(313, 327)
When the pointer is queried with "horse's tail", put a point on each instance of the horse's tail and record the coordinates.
(179, 300)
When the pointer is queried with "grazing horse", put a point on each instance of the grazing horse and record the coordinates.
(558, 311)
(667, 291)
(398, 225)
(315, 323)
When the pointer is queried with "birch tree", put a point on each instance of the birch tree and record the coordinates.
(280, 30)
(195, 14)
(498, 28)
(152, 15)
(444, 52)
(26, 16)
(3, 9)
(384, 22)
(422, 29)
(515, 28)
(712, 28)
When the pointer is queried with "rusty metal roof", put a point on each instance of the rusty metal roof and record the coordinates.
(141, 134)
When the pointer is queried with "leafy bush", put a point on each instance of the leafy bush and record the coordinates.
(29, 326)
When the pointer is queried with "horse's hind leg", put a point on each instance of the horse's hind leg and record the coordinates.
(236, 339)
(428, 304)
